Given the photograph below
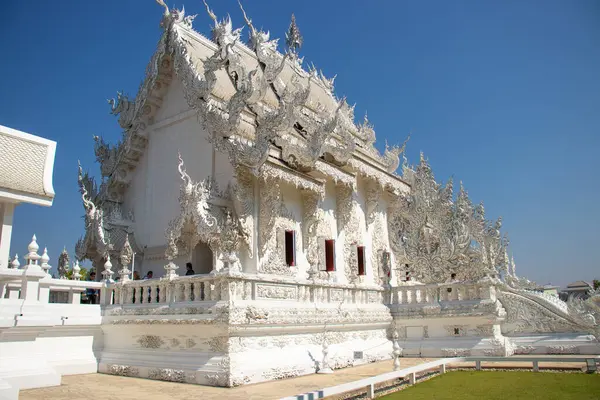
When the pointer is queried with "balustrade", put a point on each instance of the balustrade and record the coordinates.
(210, 288)
(431, 294)
(33, 282)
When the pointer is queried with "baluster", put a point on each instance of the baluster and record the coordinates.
(214, 292)
(197, 291)
(143, 294)
(187, 291)
(202, 287)
(117, 296)
(248, 290)
(153, 293)
(162, 293)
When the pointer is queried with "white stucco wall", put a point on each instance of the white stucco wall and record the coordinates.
(154, 189)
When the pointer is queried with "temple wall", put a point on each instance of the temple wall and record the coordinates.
(293, 203)
(154, 189)
(365, 237)
(329, 206)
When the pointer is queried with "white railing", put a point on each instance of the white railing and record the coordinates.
(434, 293)
(368, 384)
(213, 288)
(590, 362)
(33, 282)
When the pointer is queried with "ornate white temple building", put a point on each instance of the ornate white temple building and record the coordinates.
(304, 239)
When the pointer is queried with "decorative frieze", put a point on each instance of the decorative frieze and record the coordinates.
(565, 349)
(336, 295)
(123, 370)
(150, 341)
(170, 375)
(276, 292)
(456, 352)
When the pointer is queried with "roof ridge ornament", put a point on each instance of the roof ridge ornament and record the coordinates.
(223, 32)
(294, 41)
(293, 38)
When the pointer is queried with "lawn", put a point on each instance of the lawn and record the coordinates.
(504, 385)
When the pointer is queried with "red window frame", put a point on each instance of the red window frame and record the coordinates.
(360, 252)
(330, 255)
(290, 248)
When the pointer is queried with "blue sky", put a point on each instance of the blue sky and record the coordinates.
(504, 96)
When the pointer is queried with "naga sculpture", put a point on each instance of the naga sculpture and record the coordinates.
(439, 237)
(124, 108)
(223, 33)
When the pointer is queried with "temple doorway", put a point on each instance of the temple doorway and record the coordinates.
(202, 259)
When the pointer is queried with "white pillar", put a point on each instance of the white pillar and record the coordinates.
(6, 217)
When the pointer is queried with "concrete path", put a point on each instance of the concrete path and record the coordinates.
(105, 387)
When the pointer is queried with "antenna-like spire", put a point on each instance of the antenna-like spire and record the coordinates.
(293, 38)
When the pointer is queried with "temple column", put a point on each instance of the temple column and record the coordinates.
(6, 218)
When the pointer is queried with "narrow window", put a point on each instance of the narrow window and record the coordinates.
(360, 250)
(457, 331)
(407, 274)
(330, 255)
(290, 248)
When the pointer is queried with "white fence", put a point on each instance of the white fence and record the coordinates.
(368, 384)
(33, 282)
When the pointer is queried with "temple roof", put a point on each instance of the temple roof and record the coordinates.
(249, 92)
(26, 166)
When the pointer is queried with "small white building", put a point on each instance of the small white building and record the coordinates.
(26, 166)
(579, 289)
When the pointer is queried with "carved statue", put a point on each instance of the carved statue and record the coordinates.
(94, 216)
(63, 264)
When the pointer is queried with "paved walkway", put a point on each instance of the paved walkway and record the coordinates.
(108, 387)
(105, 387)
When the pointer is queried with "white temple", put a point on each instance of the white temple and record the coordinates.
(303, 237)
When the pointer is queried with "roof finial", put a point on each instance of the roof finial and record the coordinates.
(293, 38)
(162, 3)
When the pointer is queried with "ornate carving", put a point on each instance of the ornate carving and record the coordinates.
(456, 330)
(522, 350)
(274, 218)
(123, 370)
(200, 220)
(150, 341)
(279, 292)
(437, 236)
(456, 352)
(218, 344)
(167, 374)
(563, 350)
(63, 264)
(348, 221)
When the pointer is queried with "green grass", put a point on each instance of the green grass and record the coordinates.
(504, 385)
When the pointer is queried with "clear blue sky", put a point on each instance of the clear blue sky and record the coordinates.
(502, 95)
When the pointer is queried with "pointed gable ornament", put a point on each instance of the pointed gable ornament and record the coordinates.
(293, 38)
